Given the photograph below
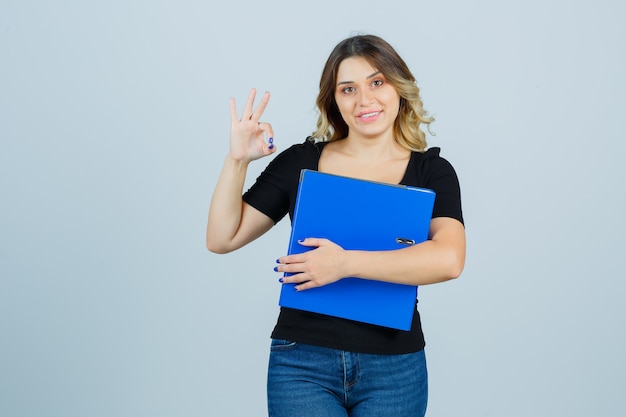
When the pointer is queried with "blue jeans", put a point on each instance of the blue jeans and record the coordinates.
(312, 381)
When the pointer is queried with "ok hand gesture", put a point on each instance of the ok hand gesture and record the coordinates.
(247, 135)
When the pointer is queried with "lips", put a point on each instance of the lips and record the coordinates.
(368, 116)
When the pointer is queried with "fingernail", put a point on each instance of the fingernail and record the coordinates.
(277, 261)
(300, 240)
(280, 280)
(271, 140)
(276, 268)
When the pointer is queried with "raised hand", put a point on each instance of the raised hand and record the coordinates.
(248, 134)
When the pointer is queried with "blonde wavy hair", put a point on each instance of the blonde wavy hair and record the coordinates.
(383, 57)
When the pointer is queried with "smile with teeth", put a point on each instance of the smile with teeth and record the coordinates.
(367, 115)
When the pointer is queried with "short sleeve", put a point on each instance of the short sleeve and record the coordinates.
(440, 176)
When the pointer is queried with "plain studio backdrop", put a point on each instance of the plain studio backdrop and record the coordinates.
(114, 122)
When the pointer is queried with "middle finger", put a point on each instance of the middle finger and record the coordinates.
(255, 116)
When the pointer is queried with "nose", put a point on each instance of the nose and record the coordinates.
(365, 96)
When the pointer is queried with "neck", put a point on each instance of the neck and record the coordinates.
(382, 147)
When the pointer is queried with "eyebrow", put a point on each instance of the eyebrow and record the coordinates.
(367, 78)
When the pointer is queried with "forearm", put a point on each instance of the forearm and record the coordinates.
(226, 205)
(425, 263)
(438, 259)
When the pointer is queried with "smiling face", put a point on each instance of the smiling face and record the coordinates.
(368, 103)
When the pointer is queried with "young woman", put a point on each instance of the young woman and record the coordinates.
(369, 127)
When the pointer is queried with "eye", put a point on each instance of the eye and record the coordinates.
(377, 82)
(348, 90)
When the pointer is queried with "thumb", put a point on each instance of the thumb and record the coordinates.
(270, 148)
(310, 241)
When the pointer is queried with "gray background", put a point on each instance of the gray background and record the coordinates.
(114, 123)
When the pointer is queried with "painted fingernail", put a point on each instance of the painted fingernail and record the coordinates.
(277, 261)
(271, 140)
(280, 280)
(276, 268)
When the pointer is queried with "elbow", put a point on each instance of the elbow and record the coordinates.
(455, 271)
(216, 247)
(454, 266)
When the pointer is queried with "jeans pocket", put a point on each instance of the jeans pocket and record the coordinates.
(282, 344)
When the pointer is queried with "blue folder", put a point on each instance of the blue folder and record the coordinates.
(358, 215)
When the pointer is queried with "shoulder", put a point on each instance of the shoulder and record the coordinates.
(430, 164)
(288, 163)
(430, 157)
(309, 148)
(304, 152)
